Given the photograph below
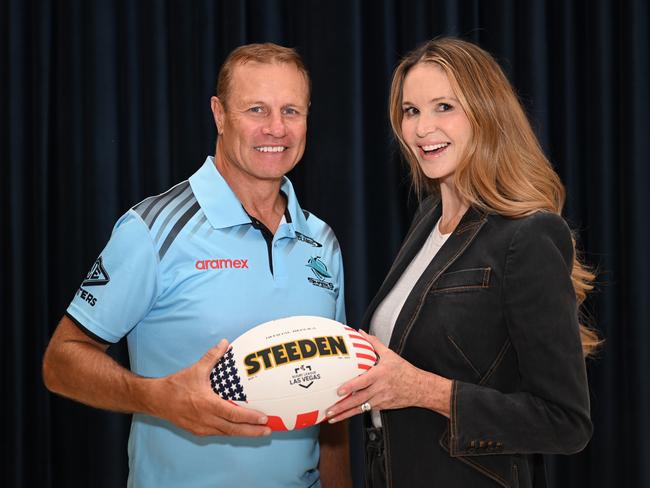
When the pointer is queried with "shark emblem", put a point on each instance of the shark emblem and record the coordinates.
(318, 268)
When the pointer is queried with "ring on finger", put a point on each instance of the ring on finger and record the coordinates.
(366, 407)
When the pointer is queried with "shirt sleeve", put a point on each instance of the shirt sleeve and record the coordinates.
(550, 411)
(122, 284)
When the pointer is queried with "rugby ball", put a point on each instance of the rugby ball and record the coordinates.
(290, 368)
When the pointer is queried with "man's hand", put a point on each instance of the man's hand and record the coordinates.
(78, 367)
(186, 399)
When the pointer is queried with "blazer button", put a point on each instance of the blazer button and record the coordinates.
(373, 436)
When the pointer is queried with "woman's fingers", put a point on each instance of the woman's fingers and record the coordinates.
(359, 383)
(350, 406)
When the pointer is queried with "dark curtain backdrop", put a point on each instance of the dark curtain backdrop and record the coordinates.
(103, 103)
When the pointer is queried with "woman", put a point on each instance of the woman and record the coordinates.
(484, 370)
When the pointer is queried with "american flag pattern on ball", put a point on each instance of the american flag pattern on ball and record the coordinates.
(225, 379)
(291, 368)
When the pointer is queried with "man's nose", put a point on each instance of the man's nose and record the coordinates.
(275, 126)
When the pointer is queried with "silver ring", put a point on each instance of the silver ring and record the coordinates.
(365, 407)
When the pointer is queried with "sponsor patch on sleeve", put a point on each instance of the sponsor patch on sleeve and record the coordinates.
(97, 276)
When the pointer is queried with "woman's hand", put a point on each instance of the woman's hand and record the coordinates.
(392, 383)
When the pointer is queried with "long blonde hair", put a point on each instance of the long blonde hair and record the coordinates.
(503, 169)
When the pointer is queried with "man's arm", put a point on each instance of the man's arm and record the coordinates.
(79, 368)
(334, 463)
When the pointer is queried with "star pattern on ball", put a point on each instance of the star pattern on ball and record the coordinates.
(225, 379)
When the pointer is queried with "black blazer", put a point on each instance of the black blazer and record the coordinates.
(495, 311)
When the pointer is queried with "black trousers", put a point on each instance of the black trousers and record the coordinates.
(375, 461)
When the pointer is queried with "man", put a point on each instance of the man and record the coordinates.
(209, 259)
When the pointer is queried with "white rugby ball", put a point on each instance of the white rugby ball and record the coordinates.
(290, 368)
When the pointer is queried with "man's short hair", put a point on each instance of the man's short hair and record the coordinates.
(266, 53)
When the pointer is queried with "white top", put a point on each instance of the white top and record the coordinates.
(385, 316)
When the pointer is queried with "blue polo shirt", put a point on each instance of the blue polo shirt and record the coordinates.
(181, 271)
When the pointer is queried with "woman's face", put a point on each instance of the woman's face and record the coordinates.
(434, 125)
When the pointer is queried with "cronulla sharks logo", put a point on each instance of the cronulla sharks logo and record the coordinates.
(319, 270)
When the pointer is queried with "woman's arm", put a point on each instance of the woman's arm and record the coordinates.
(550, 411)
(392, 383)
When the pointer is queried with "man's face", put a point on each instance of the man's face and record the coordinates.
(263, 124)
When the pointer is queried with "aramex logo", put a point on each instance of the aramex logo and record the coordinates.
(221, 264)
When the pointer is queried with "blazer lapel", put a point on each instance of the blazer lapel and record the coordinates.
(455, 245)
(412, 244)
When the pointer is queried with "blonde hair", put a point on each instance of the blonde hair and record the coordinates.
(503, 169)
(266, 53)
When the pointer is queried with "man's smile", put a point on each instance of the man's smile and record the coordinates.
(270, 148)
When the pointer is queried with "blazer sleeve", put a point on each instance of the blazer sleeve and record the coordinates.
(550, 411)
